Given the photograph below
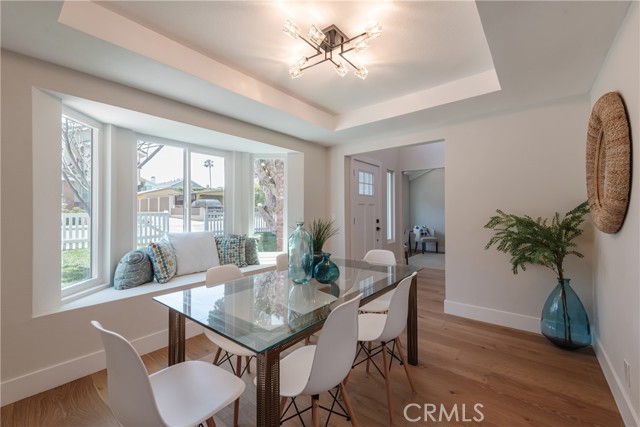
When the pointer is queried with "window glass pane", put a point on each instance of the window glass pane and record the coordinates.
(207, 193)
(391, 207)
(77, 195)
(365, 183)
(160, 191)
(268, 206)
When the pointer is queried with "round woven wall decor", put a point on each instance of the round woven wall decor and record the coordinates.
(608, 163)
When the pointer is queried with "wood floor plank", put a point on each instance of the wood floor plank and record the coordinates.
(519, 378)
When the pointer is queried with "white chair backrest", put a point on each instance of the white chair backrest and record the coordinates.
(130, 393)
(282, 262)
(380, 256)
(336, 348)
(398, 310)
(223, 273)
(432, 232)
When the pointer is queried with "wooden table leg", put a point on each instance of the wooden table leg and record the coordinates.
(268, 389)
(176, 337)
(412, 323)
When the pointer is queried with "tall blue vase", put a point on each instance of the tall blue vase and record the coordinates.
(564, 320)
(300, 255)
(326, 271)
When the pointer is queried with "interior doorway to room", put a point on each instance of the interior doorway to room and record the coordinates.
(424, 204)
(365, 219)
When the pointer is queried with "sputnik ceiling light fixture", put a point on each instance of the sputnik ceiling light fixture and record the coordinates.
(328, 41)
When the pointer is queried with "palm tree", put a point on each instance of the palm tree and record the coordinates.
(209, 164)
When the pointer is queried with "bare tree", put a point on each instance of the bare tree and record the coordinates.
(76, 160)
(265, 172)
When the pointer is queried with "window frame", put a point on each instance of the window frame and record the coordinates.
(187, 150)
(98, 215)
(391, 206)
(276, 156)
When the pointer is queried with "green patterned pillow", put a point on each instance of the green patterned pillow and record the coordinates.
(231, 250)
(251, 251)
(163, 260)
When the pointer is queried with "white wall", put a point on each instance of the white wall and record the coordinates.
(528, 161)
(616, 317)
(427, 204)
(40, 353)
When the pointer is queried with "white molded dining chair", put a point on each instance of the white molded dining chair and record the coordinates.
(215, 276)
(379, 257)
(185, 394)
(314, 369)
(282, 262)
(385, 328)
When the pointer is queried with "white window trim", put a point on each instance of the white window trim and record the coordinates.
(98, 214)
(391, 206)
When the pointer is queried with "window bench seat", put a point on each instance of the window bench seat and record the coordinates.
(151, 289)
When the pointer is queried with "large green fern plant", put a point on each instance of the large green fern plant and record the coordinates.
(536, 241)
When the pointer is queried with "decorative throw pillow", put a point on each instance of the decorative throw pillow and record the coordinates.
(251, 251)
(195, 251)
(231, 250)
(133, 270)
(163, 260)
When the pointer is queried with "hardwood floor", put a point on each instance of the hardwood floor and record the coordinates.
(519, 378)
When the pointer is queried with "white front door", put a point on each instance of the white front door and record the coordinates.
(365, 225)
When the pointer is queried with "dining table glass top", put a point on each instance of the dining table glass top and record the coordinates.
(263, 310)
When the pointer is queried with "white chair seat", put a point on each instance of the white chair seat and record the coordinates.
(378, 305)
(295, 370)
(190, 392)
(370, 326)
(228, 345)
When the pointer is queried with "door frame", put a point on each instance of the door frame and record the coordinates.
(349, 196)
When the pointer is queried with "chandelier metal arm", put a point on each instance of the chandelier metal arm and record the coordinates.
(350, 63)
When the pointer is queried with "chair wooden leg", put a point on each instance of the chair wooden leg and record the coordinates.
(211, 422)
(387, 381)
(217, 356)
(248, 358)
(315, 416)
(236, 404)
(404, 363)
(347, 403)
(283, 403)
(368, 354)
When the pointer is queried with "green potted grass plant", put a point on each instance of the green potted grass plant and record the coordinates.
(547, 243)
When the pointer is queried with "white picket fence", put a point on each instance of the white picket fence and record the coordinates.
(151, 226)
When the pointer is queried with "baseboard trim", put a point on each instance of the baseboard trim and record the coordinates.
(490, 315)
(45, 379)
(620, 395)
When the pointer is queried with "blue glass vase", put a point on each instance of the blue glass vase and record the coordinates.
(300, 255)
(326, 271)
(564, 320)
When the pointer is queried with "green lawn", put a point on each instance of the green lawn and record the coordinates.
(76, 266)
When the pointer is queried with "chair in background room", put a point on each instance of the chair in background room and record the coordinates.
(282, 262)
(185, 394)
(315, 369)
(386, 328)
(218, 275)
(379, 257)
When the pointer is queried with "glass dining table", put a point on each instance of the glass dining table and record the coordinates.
(267, 313)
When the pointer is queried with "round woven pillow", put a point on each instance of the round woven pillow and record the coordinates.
(133, 270)
(608, 163)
